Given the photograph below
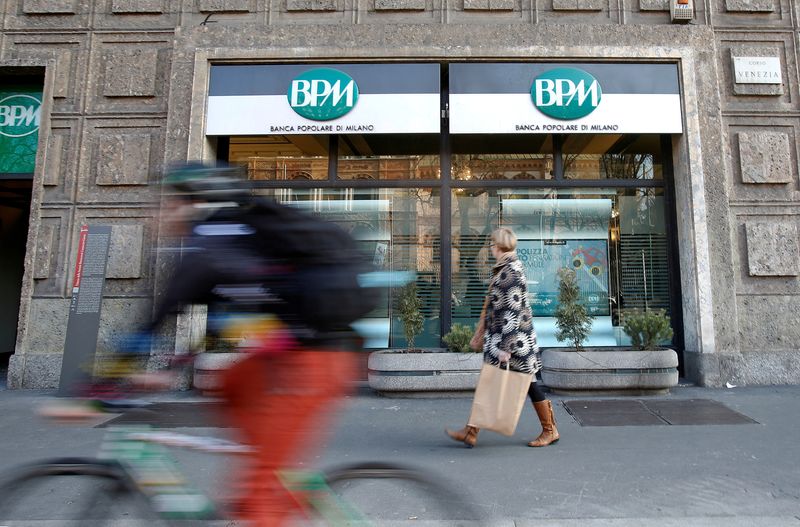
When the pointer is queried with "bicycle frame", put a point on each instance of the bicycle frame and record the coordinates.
(140, 450)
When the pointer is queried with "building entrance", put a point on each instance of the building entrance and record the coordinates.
(15, 204)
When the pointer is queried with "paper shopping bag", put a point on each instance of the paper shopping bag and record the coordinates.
(499, 398)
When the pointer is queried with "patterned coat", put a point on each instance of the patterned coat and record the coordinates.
(509, 320)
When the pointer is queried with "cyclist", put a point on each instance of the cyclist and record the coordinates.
(242, 255)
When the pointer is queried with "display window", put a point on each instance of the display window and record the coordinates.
(421, 162)
(398, 230)
(614, 239)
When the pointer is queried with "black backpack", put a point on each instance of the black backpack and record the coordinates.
(318, 266)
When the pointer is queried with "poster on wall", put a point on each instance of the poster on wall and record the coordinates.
(588, 258)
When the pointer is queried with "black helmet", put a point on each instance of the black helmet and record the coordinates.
(207, 182)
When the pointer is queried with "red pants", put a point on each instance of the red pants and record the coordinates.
(280, 404)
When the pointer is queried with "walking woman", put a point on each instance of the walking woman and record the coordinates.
(506, 334)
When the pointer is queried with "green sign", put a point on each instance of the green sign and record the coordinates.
(566, 93)
(20, 115)
(322, 94)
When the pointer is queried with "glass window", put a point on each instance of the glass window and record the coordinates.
(612, 157)
(399, 230)
(615, 239)
(482, 157)
(381, 157)
(282, 157)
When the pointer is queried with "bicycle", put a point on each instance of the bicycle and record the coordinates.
(135, 482)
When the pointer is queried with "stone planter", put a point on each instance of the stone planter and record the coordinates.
(609, 371)
(209, 366)
(429, 373)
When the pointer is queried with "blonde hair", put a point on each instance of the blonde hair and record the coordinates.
(504, 239)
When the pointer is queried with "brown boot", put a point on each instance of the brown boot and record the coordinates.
(467, 435)
(549, 432)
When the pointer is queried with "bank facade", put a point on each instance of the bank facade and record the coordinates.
(653, 150)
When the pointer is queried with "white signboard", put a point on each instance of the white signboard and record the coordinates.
(542, 98)
(323, 99)
(757, 70)
(514, 114)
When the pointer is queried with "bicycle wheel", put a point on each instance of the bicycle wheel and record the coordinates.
(380, 494)
(73, 492)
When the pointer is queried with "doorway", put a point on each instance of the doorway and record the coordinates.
(15, 205)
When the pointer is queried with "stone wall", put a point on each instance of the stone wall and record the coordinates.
(125, 85)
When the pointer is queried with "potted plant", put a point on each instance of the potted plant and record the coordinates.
(457, 340)
(643, 369)
(409, 306)
(647, 329)
(433, 371)
(572, 318)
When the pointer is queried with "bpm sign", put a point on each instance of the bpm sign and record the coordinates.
(19, 115)
(566, 93)
(322, 94)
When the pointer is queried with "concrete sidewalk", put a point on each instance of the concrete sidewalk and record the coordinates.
(610, 476)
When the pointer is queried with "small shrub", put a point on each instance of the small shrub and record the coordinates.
(409, 307)
(572, 319)
(647, 328)
(458, 338)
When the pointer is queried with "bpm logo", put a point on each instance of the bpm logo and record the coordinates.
(19, 115)
(322, 94)
(566, 93)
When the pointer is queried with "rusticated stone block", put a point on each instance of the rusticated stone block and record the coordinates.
(654, 5)
(218, 6)
(772, 249)
(750, 6)
(399, 5)
(578, 5)
(137, 6)
(48, 7)
(123, 159)
(125, 251)
(764, 157)
(45, 245)
(490, 5)
(34, 370)
(65, 63)
(130, 73)
(311, 5)
(53, 165)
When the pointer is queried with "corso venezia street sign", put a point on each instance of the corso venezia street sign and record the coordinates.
(566, 93)
(322, 94)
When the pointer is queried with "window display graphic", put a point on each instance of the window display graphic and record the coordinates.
(542, 260)
(560, 233)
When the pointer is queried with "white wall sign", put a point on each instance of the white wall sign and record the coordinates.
(587, 98)
(261, 99)
(757, 70)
